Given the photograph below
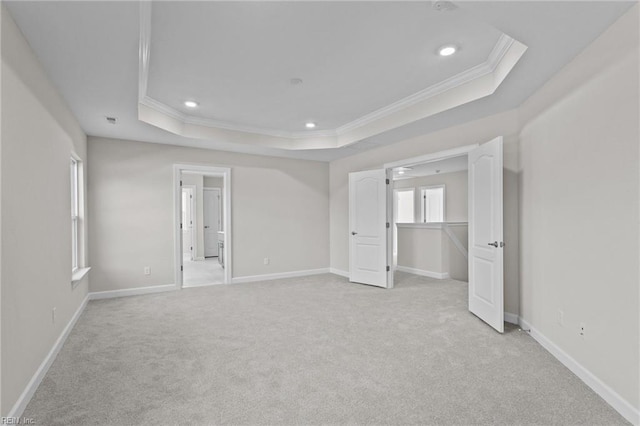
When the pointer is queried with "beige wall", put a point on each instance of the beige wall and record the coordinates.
(38, 135)
(280, 210)
(423, 249)
(505, 124)
(455, 193)
(579, 213)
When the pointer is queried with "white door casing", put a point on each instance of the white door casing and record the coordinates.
(211, 219)
(486, 253)
(368, 228)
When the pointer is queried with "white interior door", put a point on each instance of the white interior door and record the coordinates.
(187, 222)
(485, 234)
(368, 228)
(211, 221)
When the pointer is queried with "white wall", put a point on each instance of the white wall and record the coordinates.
(483, 130)
(38, 135)
(280, 210)
(455, 193)
(579, 212)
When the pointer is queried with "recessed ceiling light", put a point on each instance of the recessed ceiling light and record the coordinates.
(310, 125)
(401, 172)
(447, 50)
(190, 104)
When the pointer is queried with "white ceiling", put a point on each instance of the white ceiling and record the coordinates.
(236, 58)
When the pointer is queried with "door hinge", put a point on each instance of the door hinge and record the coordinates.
(180, 226)
(388, 269)
(191, 196)
(501, 244)
(190, 248)
(180, 183)
(181, 268)
(387, 181)
(388, 226)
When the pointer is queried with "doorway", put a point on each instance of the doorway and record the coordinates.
(371, 214)
(202, 225)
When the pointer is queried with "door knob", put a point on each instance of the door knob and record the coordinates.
(354, 233)
(206, 227)
(495, 244)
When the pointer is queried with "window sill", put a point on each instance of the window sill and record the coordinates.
(78, 275)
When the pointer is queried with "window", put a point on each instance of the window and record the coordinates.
(75, 214)
(432, 199)
(403, 210)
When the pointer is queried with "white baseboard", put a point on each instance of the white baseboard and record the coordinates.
(267, 277)
(32, 386)
(110, 294)
(629, 412)
(512, 318)
(339, 272)
(423, 273)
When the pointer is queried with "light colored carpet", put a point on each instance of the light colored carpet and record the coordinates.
(313, 350)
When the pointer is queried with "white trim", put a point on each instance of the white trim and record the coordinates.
(111, 294)
(496, 57)
(430, 225)
(339, 272)
(79, 274)
(511, 318)
(423, 273)
(616, 401)
(436, 156)
(32, 386)
(268, 277)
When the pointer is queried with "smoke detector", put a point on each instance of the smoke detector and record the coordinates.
(443, 6)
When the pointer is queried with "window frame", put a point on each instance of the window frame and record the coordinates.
(423, 206)
(75, 213)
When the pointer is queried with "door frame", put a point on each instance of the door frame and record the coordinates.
(408, 162)
(219, 191)
(219, 171)
(194, 237)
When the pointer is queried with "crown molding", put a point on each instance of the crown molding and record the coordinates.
(500, 49)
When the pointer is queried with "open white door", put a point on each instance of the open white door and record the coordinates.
(368, 228)
(485, 234)
(211, 215)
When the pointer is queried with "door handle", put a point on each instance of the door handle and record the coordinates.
(206, 227)
(354, 233)
(495, 244)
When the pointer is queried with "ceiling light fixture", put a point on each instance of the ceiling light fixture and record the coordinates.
(447, 50)
(190, 104)
(401, 172)
(310, 125)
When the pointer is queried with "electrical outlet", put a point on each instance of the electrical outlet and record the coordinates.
(561, 318)
(266, 260)
(582, 331)
(53, 315)
(147, 270)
